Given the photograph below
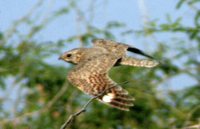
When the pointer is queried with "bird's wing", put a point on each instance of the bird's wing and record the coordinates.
(92, 77)
(105, 43)
(119, 49)
(109, 43)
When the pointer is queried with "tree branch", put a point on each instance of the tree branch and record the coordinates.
(72, 117)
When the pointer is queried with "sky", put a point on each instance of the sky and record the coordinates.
(131, 12)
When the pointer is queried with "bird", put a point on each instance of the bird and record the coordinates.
(92, 65)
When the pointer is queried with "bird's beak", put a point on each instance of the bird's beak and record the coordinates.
(60, 58)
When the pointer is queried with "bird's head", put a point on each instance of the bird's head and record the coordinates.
(73, 56)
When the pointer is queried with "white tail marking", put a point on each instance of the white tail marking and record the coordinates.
(108, 98)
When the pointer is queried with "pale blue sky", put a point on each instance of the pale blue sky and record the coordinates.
(128, 12)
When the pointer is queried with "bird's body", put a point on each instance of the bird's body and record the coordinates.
(90, 74)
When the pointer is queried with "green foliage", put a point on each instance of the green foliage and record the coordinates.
(50, 99)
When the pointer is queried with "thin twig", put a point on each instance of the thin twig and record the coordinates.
(190, 115)
(193, 127)
(83, 109)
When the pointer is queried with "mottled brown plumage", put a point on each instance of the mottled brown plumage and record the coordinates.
(90, 74)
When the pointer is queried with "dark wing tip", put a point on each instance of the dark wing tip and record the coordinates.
(138, 51)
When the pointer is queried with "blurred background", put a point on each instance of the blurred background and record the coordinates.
(34, 92)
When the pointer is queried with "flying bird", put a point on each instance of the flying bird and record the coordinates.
(90, 74)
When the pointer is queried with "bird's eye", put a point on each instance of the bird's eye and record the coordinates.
(68, 55)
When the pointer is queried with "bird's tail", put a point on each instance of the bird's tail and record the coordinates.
(138, 62)
(117, 98)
